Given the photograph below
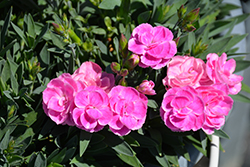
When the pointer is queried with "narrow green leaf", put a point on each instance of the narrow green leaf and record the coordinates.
(45, 54)
(241, 98)
(109, 4)
(57, 41)
(6, 72)
(116, 44)
(245, 87)
(216, 47)
(42, 33)
(99, 31)
(116, 143)
(3, 51)
(5, 28)
(144, 141)
(221, 26)
(31, 26)
(58, 157)
(235, 39)
(85, 138)
(161, 159)
(5, 141)
(20, 33)
(30, 117)
(239, 18)
(133, 161)
(102, 46)
(40, 161)
(152, 103)
(221, 134)
(144, 17)
(241, 65)
(14, 84)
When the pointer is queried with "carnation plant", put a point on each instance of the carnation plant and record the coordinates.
(115, 83)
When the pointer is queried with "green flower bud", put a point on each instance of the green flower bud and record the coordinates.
(124, 72)
(58, 29)
(74, 37)
(115, 67)
(192, 16)
(123, 82)
(132, 62)
(181, 11)
(189, 28)
(123, 46)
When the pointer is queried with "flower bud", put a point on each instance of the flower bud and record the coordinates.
(74, 37)
(124, 72)
(146, 87)
(115, 67)
(189, 28)
(123, 46)
(58, 29)
(192, 16)
(181, 11)
(123, 82)
(177, 40)
(132, 62)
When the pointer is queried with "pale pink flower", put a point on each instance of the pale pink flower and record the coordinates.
(154, 45)
(58, 98)
(92, 111)
(91, 74)
(221, 71)
(182, 109)
(146, 87)
(217, 106)
(184, 71)
(129, 108)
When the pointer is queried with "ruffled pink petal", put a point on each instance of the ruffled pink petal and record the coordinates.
(81, 99)
(115, 123)
(136, 47)
(48, 93)
(162, 33)
(121, 132)
(149, 60)
(94, 113)
(54, 105)
(140, 110)
(129, 121)
(56, 116)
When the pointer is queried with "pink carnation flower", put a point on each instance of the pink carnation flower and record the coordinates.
(58, 98)
(154, 45)
(146, 87)
(92, 111)
(91, 75)
(217, 106)
(182, 109)
(221, 71)
(129, 108)
(184, 71)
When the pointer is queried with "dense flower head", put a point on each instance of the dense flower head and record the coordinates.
(184, 71)
(217, 106)
(91, 74)
(129, 109)
(146, 87)
(221, 71)
(92, 111)
(154, 45)
(182, 109)
(58, 98)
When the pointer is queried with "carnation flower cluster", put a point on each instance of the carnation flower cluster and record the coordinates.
(89, 100)
(197, 92)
